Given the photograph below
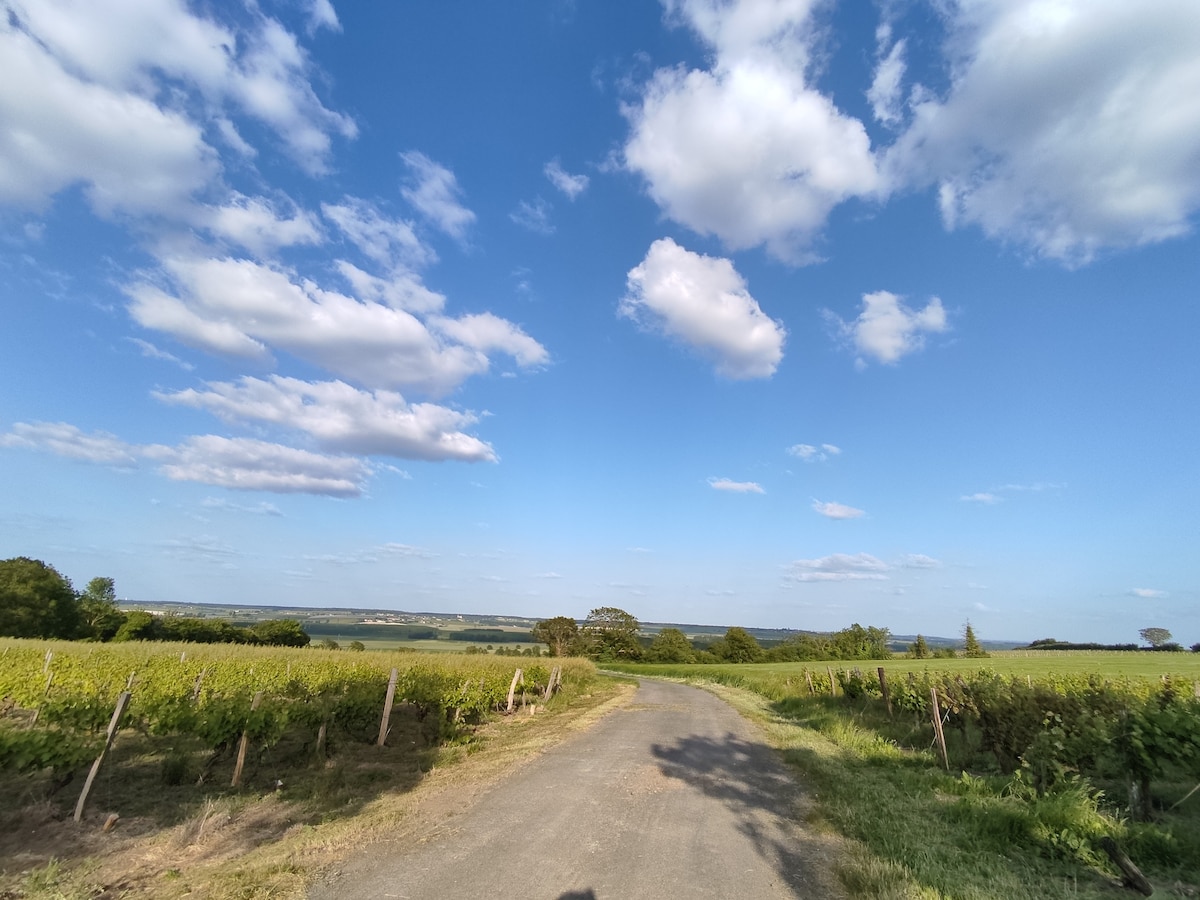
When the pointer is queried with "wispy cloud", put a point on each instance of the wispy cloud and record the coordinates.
(832, 510)
(737, 487)
(571, 185)
(1148, 593)
(839, 567)
(812, 453)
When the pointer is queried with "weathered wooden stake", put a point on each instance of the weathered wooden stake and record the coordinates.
(887, 695)
(129, 681)
(243, 744)
(321, 733)
(554, 683)
(46, 662)
(1133, 876)
(387, 708)
(832, 684)
(512, 689)
(808, 680)
(122, 703)
(937, 727)
(196, 686)
(183, 656)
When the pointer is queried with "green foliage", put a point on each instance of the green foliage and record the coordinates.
(98, 609)
(918, 649)
(561, 634)
(278, 633)
(972, 649)
(851, 643)
(611, 634)
(357, 646)
(1155, 637)
(670, 646)
(738, 646)
(36, 601)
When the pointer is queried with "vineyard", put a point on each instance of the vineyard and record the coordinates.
(1054, 764)
(58, 698)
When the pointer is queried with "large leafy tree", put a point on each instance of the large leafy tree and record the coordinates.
(610, 633)
(1155, 637)
(671, 646)
(739, 646)
(98, 607)
(561, 634)
(36, 601)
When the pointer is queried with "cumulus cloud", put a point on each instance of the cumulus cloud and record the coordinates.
(1067, 126)
(887, 330)
(832, 510)
(736, 487)
(748, 150)
(703, 302)
(571, 185)
(839, 567)
(434, 192)
(257, 225)
(236, 463)
(241, 308)
(389, 242)
(342, 418)
(919, 561)
(812, 453)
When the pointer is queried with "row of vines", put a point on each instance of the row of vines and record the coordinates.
(56, 700)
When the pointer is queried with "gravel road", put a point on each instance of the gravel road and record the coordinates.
(674, 795)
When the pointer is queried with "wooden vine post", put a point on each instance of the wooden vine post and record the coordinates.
(243, 744)
(883, 686)
(555, 682)
(1131, 875)
(387, 708)
(512, 689)
(808, 680)
(122, 703)
(937, 726)
(832, 683)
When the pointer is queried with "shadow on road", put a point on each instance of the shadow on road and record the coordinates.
(748, 779)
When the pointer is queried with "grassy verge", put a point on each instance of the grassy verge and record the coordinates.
(223, 844)
(914, 830)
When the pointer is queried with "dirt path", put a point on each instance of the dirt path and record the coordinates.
(674, 795)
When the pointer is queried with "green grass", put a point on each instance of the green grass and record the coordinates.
(917, 831)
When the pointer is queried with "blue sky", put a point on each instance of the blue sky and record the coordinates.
(779, 314)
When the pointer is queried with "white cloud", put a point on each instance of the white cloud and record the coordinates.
(238, 307)
(434, 192)
(342, 418)
(736, 487)
(571, 185)
(886, 89)
(258, 509)
(981, 497)
(1148, 593)
(919, 561)
(389, 242)
(243, 464)
(813, 453)
(534, 215)
(151, 352)
(887, 330)
(839, 567)
(400, 289)
(237, 463)
(748, 150)
(703, 301)
(254, 223)
(832, 510)
(66, 440)
(1068, 126)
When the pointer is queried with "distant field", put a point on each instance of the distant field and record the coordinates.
(1109, 663)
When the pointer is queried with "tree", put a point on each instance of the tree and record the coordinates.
(98, 609)
(972, 649)
(610, 633)
(279, 633)
(739, 646)
(1155, 637)
(918, 649)
(356, 645)
(560, 634)
(671, 646)
(140, 625)
(36, 601)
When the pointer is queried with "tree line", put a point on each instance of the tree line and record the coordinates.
(37, 601)
(609, 634)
